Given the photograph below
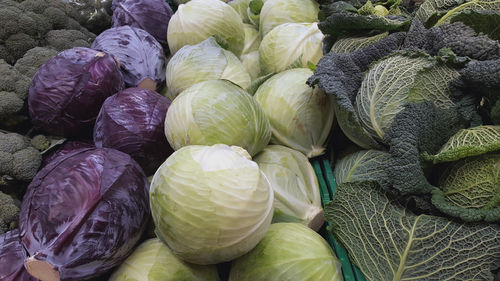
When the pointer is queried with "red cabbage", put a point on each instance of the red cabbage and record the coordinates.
(132, 121)
(83, 213)
(65, 149)
(150, 15)
(12, 255)
(141, 57)
(67, 91)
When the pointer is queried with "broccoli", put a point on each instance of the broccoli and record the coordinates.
(9, 213)
(27, 24)
(19, 160)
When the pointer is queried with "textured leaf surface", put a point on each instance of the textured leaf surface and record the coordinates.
(351, 44)
(362, 166)
(468, 142)
(433, 84)
(431, 10)
(388, 242)
(473, 182)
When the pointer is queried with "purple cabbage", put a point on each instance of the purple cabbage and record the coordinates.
(150, 15)
(67, 91)
(65, 149)
(132, 121)
(12, 255)
(83, 213)
(141, 57)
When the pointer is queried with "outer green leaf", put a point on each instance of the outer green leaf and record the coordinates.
(295, 186)
(482, 16)
(153, 261)
(387, 242)
(276, 12)
(468, 142)
(473, 182)
(352, 44)
(362, 166)
(431, 10)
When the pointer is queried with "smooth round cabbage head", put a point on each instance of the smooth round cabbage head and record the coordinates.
(289, 251)
(141, 57)
(203, 61)
(83, 213)
(133, 121)
(153, 261)
(295, 186)
(197, 20)
(291, 45)
(67, 91)
(211, 204)
(150, 15)
(276, 12)
(217, 111)
(301, 117)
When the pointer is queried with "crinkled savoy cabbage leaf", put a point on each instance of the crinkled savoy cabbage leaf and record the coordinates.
(352, 44)
(362, 166)
(387, 242)
(468, 142)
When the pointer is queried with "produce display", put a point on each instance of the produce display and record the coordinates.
(238, 140)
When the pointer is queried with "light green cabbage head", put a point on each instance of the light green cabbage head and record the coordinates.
(241, 6)
(217, 111)
(197, 20)
(291, 45)
(276, 12)
(251, 62)
(295, 186)
(289, 251)
(301, 117)
(201, 62)
(153, 261)
(210, 204)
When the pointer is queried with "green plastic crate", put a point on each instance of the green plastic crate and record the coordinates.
(327, 186)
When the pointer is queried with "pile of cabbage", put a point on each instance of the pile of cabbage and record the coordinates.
(187, 138)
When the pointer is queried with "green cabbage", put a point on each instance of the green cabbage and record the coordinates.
(201, 62)
(301, 117)
(276, 12)
(291, 45)
(217, 111)
(197, 20)
(210, 204)
(295, 186)
(289, 251)
(153, 261)
(251, 62)
(252, 39)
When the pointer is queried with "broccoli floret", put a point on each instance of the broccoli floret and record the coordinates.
(40, 142)
(9, 213)
(14, 88)
(67, 39)
(26, 24)
(18, 159)
(33, 59)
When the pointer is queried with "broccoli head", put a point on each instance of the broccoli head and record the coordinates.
(9, 213)
(19, 160)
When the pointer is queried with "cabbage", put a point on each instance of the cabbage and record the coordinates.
(83, 213)
(197, 20)
(12, 255)
(276, 12)
(241, 6)
(153, 261)
(251, 62)
(210, 203)
(291, 45)
(301, 117)
(289, 251)
(217, 111)
(252, 39)
(67, 91)
(140, 55)
(295, 186)
(201, 62)
(150, 15)
(132, 121)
